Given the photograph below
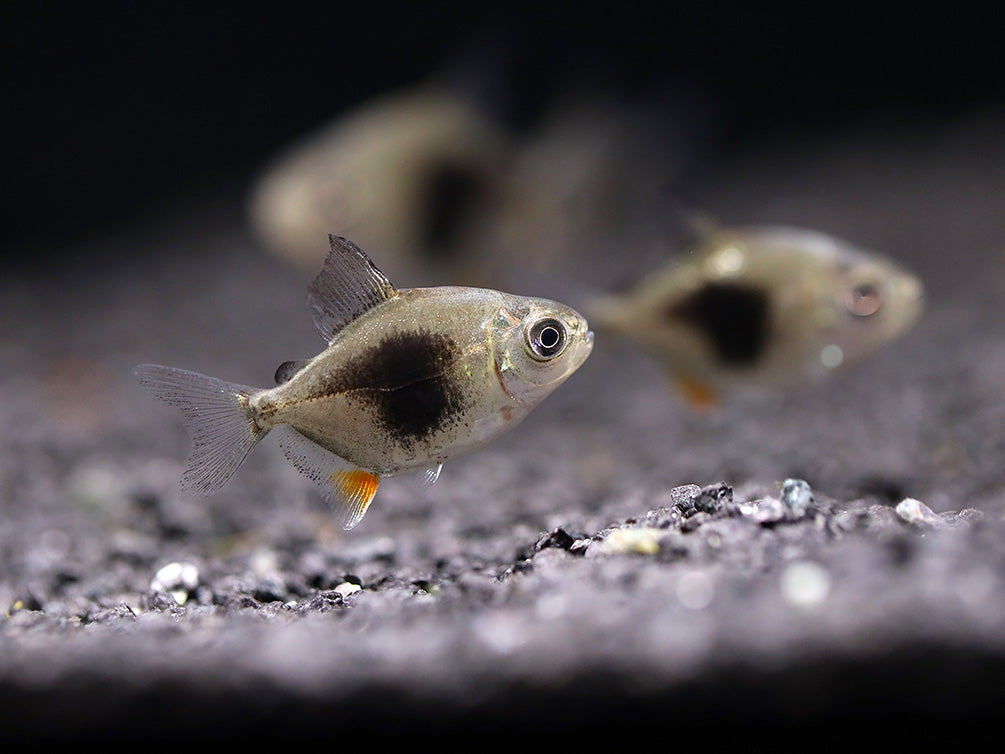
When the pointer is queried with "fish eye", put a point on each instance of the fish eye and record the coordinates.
(863, 299)
(546, 339)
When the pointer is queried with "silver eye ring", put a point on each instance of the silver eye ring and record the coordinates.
(546, 339)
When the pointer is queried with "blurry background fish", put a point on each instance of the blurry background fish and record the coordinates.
(444, 189)
(411, 175)
(462, 132)
(763, 308)
(133, 140)
(487, 146)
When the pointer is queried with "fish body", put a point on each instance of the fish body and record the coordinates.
(410, 379)
(407, 175)
(763, 307)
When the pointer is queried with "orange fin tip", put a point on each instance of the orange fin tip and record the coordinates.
(698, 395)
(354, 490)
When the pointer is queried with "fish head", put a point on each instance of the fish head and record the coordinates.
(874, 301)
(537, 344)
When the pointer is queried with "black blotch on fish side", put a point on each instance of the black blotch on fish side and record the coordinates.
(452, 194)
(734, 318)
(407, 379)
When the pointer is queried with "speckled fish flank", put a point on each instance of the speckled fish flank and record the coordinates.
(410, 406)
(410, 379)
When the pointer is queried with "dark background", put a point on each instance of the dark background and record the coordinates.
(115, 117)
(113, 111)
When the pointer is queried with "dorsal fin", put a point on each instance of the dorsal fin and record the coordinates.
(347, 286)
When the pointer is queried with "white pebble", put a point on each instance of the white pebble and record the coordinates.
(643, 541)
(913, 511)
(176, 579)
(347, 587)
(797, 496)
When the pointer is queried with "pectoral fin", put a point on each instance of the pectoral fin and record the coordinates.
(287, 369)
(429, 476)
(347, 489)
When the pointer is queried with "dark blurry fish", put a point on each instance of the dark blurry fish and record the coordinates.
(763, 307)
(407, 175)
(410, 379)
(440, 189)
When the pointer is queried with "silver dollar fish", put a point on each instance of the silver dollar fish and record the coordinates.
(410, 379)
(762, 307)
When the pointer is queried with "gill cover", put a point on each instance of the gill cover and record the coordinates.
(537, 344)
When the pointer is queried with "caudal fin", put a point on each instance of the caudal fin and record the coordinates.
(217, 416)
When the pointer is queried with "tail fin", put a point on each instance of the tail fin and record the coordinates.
(217, 416)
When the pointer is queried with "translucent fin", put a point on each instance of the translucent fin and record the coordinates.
(428, 477)
(348, 285)
(347, 489)
(217, 416)
(699, 396)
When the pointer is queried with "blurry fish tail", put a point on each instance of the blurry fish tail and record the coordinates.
(218, 418)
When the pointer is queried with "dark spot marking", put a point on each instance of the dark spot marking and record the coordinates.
(734, 318)
(453, 192)
(408, 380)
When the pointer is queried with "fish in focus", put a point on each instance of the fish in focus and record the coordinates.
(763, 307)
(410, 378)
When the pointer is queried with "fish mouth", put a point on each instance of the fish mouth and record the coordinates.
(910, 293)
(587, 348)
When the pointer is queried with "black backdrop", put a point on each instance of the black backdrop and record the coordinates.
(112, 110)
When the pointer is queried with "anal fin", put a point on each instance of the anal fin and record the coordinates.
(347, 488)
(354, 489)
(698, 395)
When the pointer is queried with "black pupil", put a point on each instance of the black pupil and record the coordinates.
(549, 337)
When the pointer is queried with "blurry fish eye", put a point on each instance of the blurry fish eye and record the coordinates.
(546, 339)
(863, 299)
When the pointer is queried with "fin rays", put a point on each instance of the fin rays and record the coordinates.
(348, 489)
(348, 285)
(428, 477)
(216, 414)
(355, 489)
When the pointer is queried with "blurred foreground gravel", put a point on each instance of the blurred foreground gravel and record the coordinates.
(564, 580)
